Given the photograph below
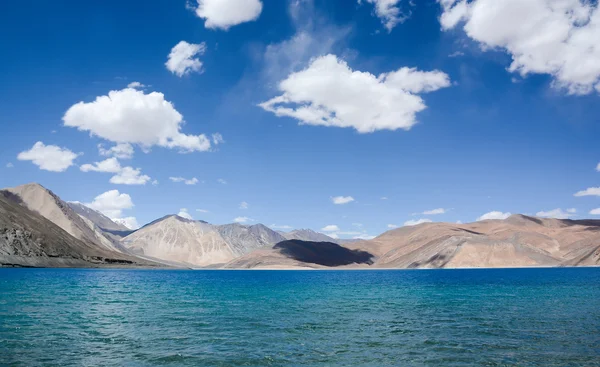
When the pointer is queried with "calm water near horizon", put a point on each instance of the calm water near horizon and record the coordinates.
(493, 317)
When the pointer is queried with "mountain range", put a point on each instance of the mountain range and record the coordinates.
(37, 228)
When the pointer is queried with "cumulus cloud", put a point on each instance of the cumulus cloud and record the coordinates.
(124, 175)
(243, 205)
(183, 213)
(339, 200)
(136, 85)
(48, 157)
(591, 191)
(330, 228)
(130, 176)
(494, 215)
(595, 211)
(242, 219)
(110, 165)
(191, 181)
(392, 226)
(559, 38)
(329, 93)
(556, 213)
(112, 203)
(223, 14)
(121, 151)
(389, 12)
(134, 117)
(217, 139)
(182, 59)
(417, 222)
(434, 211)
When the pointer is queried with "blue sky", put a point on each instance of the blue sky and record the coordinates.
(493, 134)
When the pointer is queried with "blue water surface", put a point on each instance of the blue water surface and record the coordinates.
(504, 317)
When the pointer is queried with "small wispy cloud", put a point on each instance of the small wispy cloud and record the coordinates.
(191, 181)
(222, 181)
(244, 205)
(340, 200)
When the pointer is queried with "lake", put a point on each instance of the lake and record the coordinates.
(492, 317)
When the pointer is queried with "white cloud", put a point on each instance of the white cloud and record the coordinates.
(555, 213)
(135, 85)
(329, 93)
(595, 211)
(384, 198)
(182, 59)
(494, 215)
(392, 226)
(110, 165)
(278, 226)
(129, 222)
(217, 139)
(222, 181)
(434, 211)
(155, 182)
(456, 54)
(131, 116)
(191, 181)
(332, 235)
(48, 157)
(389, 12)
(339, 200)
(224, 14)
(124, 175)
(202, 211)
(183, 213)
(598, 167)
(130, 176)
(121, 151)
(555, 37)
(243, 205)
(591, 191)
(9, 165)
(417, 222)
(330, 228)
(242, 219)
(111, 203)
(572, 210)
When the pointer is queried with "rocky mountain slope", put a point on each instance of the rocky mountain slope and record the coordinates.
(198, 243)
(29, 239)
(43, 201)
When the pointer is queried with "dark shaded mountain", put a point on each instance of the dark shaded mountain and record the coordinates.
(27, 239)
(322, 253)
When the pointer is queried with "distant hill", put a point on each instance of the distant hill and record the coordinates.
(199, 243)
(518, 241)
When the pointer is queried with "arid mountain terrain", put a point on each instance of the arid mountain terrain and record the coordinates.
(28, 239)
(40, 229)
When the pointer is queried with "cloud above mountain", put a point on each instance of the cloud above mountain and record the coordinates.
(134, 117)
(329, 93)
(494, 215)
(123, 175)
(48, 157)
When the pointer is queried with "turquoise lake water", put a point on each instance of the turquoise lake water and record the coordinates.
(520, 317)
